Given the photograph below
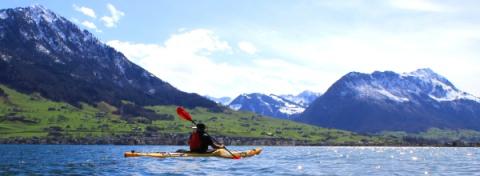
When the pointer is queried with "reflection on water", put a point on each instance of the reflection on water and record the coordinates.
(109, 160)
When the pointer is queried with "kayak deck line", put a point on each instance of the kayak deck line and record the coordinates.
(217, 153)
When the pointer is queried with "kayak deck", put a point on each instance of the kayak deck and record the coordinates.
(217, 153)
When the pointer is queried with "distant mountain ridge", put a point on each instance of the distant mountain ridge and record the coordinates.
(225, 101)
(387, 100)
(280, 106)
(305, 98)
(43, 52)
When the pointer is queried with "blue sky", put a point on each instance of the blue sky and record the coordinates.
(224, 48)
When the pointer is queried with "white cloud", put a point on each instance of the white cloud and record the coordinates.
(182, 60)
(85, 10)
(447, 51)
(111, 21)
(90, 25)
(385, 35)
(247, 47)
(186, 61)
(418, 5)
(195, 41)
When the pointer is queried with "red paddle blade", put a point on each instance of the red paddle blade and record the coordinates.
(236, 157)
(183, 113)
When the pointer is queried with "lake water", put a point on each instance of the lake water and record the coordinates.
(109, 160)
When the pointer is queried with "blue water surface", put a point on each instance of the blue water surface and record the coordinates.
(109, 160)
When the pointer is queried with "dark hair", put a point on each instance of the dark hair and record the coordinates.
(201, 127)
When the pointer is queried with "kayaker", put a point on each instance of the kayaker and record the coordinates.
(199, 140)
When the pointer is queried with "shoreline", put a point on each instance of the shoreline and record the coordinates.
(181, 139)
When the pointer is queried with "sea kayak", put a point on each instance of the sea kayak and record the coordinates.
(217, 153)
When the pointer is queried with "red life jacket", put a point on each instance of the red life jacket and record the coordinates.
(195, 141)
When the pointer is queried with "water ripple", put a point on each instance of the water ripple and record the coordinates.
(109, 160)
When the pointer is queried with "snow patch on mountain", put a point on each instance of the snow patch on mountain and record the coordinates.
(58, 34)
(455, 95)
(269, 105)
(388, 101)
(424, 73)
(119, 65)
(3, 15)
(288, 107)
(391, 96)
(304, 98)
(42, 49)
(42, 42)
(291, 109)
(378, 93)
(277, 98)
(39, 13)
(441, 89)
(5, 57)
(450, 93)
(235, 107)
(404, 87)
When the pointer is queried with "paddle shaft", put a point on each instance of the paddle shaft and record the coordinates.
(224, 147)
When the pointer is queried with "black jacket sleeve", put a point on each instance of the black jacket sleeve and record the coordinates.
(210, 142)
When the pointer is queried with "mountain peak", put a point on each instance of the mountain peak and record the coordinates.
(390, 101)
(50, 32)
(429, 75)
(38, 12)
(424, 72)
(354, 74)
(38, 8)
(54, 57)
(399, 87)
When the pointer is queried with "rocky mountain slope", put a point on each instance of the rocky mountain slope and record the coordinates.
(43, 52)
(381, 101)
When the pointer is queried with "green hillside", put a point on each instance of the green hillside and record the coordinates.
(32, 115)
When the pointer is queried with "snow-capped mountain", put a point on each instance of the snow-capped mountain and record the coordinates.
(268, 105)
(222, 100)
(43, 52)
(305, 98)
(379, 101)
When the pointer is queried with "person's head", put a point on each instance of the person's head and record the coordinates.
(201, 127)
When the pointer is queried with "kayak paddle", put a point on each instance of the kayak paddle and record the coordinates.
(182, 113)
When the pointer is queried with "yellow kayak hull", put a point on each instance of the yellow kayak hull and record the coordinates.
(217, 153)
